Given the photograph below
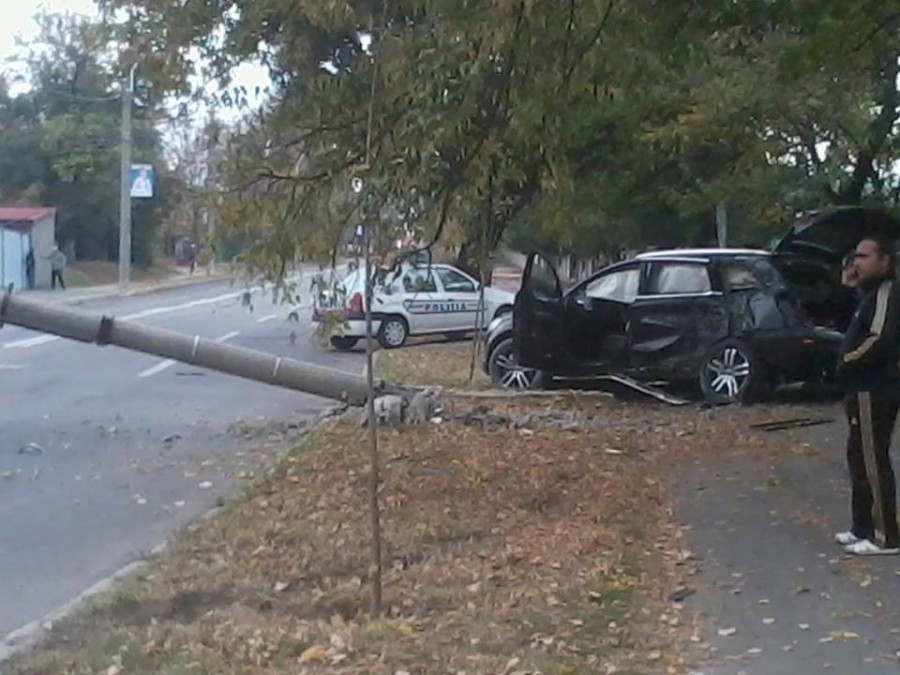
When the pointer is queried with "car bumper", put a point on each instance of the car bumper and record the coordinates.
(349, 327)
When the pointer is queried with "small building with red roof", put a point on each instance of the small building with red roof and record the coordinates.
(25, 229)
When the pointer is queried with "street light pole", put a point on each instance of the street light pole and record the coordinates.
(125, 184)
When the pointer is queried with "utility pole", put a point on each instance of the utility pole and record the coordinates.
(125, 184)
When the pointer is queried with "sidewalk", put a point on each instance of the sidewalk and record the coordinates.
(76, 296)
(779, 597)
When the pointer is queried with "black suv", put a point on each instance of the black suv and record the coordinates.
(736, 321)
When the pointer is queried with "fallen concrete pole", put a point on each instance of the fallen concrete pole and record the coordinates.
(247, 363)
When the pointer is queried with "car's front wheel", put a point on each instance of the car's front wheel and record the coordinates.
(506, 372)
(393, 332)
(731, 373)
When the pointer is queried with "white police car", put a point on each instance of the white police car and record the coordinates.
(423, 300)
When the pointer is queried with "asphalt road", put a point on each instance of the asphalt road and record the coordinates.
(104, 452)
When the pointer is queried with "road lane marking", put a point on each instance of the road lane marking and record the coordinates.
(27, 343)
(264, 319)
(11, 366)
(227, 336)
(158, 368)
(31, 342)
(168, 363)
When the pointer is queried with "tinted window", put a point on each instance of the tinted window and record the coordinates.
(620, 286)
(454, 282)
(678, 279)
(419, 281)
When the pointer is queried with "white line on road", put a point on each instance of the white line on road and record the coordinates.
(45, 339)
(264, 319)
(158, 368)
(168, 363)
(11, 366)
(31, 342)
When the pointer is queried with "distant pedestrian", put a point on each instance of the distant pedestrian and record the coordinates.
(29, 268)
(869, 373)
(57, 266)
(192, 256)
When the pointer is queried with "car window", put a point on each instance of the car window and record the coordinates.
(454, 282)
(620, 286)
(419, 281)
(741, 278)
(678, 279)
(542, 280)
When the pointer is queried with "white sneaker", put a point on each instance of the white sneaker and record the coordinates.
(866, 547)
(846, 538)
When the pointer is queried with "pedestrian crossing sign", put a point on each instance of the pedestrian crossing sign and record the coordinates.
(142, 180)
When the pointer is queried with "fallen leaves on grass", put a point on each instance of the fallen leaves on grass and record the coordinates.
(544, 550)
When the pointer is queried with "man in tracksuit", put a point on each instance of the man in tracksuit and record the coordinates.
(870, 374)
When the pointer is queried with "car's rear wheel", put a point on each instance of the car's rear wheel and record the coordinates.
(343, 343)
(393, 332)
(731, 373)
(506, 372)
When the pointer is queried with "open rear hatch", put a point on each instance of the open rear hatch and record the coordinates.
(809, 256)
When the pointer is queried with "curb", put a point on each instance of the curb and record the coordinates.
(138, 290)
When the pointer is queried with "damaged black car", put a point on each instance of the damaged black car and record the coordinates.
(733, 322)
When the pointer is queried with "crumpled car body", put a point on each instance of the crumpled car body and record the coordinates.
(728, 319)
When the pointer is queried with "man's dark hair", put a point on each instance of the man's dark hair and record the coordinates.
(884, 243)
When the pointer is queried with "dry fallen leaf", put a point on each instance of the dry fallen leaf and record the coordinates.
(844, 634)
(314, 654)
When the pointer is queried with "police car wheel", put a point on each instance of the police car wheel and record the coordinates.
(393, 332)
(343, 342)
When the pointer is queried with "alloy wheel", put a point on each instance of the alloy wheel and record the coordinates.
(728, 372)
(511, 374)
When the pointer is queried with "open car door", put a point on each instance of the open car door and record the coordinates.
(538, 315)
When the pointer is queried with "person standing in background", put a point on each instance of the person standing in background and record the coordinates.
(29, 268)
(57, 266)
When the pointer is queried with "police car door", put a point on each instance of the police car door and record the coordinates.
(421, 300)
(460, 298)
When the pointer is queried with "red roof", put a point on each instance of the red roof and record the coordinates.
(24, 214)
(23, 218)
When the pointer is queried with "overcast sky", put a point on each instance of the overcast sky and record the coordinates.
(17, 21)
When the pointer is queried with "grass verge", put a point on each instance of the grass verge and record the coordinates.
(432, 363)
(506, 551)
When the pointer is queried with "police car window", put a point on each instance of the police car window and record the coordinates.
(621, 286)
(678, 279)
(419, 281)
(454, 282)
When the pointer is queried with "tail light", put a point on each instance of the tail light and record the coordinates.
(355, 309)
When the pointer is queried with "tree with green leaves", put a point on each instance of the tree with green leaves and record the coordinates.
(63, 135)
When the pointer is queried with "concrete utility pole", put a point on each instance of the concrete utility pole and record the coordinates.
(247, 363)
(125, 183)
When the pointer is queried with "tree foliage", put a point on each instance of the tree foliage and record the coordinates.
(59, 141)
(587, 124)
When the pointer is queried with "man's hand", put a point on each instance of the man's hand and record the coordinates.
(849, 276)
